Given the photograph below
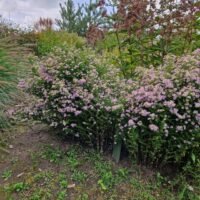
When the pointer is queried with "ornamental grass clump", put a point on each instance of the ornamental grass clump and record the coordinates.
(161, 118)
(79, 95)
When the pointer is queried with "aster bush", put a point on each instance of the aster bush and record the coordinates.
(157, 114)
(79, 95)
(161, 118)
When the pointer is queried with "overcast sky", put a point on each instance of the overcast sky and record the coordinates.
(25, 12)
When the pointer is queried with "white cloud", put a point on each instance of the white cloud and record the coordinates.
(26, 12)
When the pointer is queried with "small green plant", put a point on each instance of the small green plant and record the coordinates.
(160, 179)
(63, 184)
(106, 177)
(35, 196)
(106, 181)
(41, 194)
(79, 176)
(17, 187)
(43, 177)
(52, 154)
(83, 197)
(121, 175)
(6, 174)
(72, 158)
(135, 183)
(62, 195)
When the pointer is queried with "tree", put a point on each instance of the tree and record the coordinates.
(148, 30)
(80, 19)
(69, 16)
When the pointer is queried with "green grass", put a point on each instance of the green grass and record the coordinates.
(13, 66)
(94, 175)
(55, 172)
(7, 85)
(48, 40)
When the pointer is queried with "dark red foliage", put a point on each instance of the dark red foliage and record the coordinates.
(43, 24)
(94, 34)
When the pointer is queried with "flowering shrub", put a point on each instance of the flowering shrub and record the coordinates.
(161, 117)
(157, 115)
(78, 95)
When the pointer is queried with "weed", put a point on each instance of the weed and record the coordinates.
(135, 183)
(41, 194)
(83, 197)
(62, 195)
(106, 181)
(17, 187)
(52, 154)
(78, 176)
(121, 175)
(72, 158)
(6, 174)
(44, 177)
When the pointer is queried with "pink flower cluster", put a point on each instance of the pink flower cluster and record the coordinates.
(166, 100)
(76, 98)
(86, 97)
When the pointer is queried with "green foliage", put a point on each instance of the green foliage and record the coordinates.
(149, 32)
(62, 195)
(7, 85)
(108, 177)
(63, 181)
(72, 159)
(13, 66)
(70, 21)
(17, 187)
(78, 20)
(48, 40)
(54, 155)
(6, 174)
(79, 176)
(83, 197)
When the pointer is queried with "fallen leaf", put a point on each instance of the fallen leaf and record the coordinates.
(71, 186)
(19, 175)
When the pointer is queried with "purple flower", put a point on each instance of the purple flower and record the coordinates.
(153, 127)
(82, 81)
(22, 84)
(77, 113)
(144, 113)
(197, 105)
(10, 112)
(168, 83)
(73, 125)
(116, 107)
(131, 122)
(169, 104)
(44, 74)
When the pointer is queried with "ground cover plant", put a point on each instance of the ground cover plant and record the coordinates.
(56, 169)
